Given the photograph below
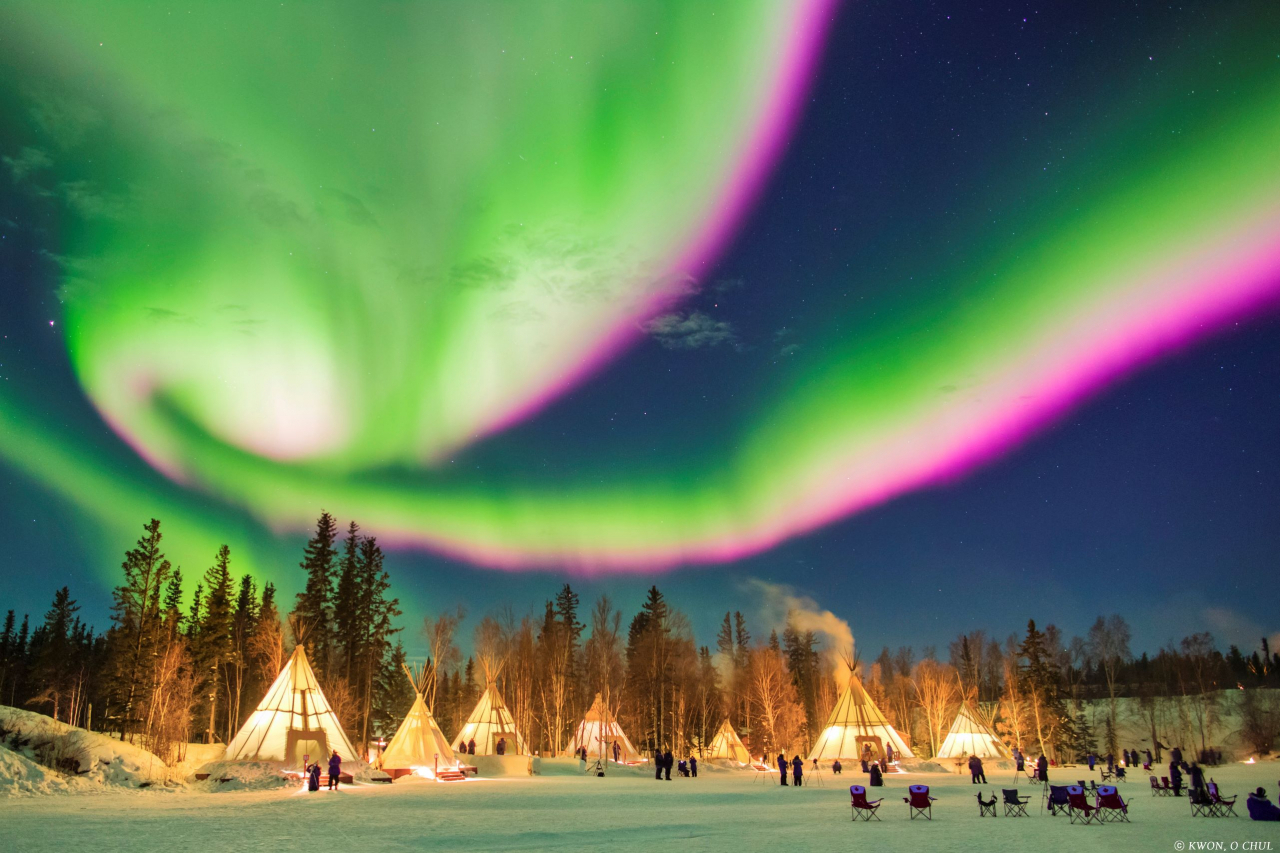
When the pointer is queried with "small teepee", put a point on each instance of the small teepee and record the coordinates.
(489, 723)
(418, 743)
(727, 746)
(292, 721)
(599, 731)
(856, 723)
(969, 735)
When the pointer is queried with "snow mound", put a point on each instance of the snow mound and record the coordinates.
(244, 776)
(20, 776)
(86, 755)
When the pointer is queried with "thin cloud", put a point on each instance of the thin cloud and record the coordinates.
(694, 330)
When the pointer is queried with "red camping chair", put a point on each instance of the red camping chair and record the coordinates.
(862, 808)
(1221, 805)
(1078, 808)
(1111, 807)
(919, 803)
(1166, 788)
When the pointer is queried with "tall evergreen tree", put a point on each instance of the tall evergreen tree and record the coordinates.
(213, 646)
(314, 607)
(56, 663)
(137, 629)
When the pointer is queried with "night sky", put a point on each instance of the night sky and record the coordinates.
(995, 337)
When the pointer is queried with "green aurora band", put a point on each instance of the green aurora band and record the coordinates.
(313, 254)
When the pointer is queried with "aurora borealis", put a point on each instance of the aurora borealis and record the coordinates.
(306, 256)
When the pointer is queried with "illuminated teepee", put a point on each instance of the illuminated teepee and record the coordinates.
(855, 723)
(599, 731)
(969, 735)
(292, 721)
(490, 723)
(418, 743)
(727, 746)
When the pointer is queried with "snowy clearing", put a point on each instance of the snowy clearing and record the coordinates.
(725, 811)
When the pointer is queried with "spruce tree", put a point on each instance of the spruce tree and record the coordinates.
(314, 607)
(346, 606)
(137, 628)
(212, 650)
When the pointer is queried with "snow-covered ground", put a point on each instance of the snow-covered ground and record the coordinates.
(722, 811)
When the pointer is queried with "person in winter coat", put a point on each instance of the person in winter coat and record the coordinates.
(668, 761)
(1197, 791)
(797, 770)
(888, 753)
(979, 774)
(782, 768)
(1175, 755)
(1260, 807)
(617, 753)
(836, 767)
(471, 747)
(657, 764)
(693, 765)
(1021, 763)
(1042, 768)
(1149, 760)
(335, 770)
(1175, 777)
(501, 746)
(1092, 759)
(313, 777)
(1111, 762)
(877, 778)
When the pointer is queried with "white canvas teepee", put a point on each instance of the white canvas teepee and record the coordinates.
(856, 722)
(969, 735)
(489, 723)
(599, 731)
(293, 720)
(727, 746)
(418, 743)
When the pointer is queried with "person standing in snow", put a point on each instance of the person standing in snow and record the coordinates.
(877, 778)
(313, 777)
(1042, 768)
(836, 767)
(335, 770)
(617, 753)
(668, 761)
(1149, 760)
(501, 746)
(1092, 759)
(888, 753)
(1198, 791)
(693, 765)
(1111, 763)
(471, 747)
(1175, 776)
(1021, 763)
(797, 770)
(782, 768)
(1175, 755)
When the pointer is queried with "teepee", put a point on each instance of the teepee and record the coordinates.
(489, 723)
(292, 721)
(418, 743)
(969, 735)
(599, 731)
(727, 746)
(855, 723)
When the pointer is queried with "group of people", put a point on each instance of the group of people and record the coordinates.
(335, 772)
(797, 770)
(664, 761)
(499, 748)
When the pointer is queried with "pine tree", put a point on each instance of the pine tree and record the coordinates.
(213, 647)
(195, 615)
(8, 648)
(55, 661)
(346, 605)
(314, 607)
(136, 633)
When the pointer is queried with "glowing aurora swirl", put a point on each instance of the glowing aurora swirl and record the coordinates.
(293, 273)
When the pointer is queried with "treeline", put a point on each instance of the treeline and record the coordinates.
(166, 674)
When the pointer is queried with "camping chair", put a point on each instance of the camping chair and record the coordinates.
(1058, 799)
(1221, 805)
(1121, 775)
(1166, 788)
(919, 803)
(1201, 804)
(987, 807)
(1156, 790)
(1106, 777)
(1111, 807)
(1078, 808)
(1014, 806)
(863, 808)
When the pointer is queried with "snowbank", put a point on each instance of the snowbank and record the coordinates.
(20, 776)
(78, 753)
(243, 776)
